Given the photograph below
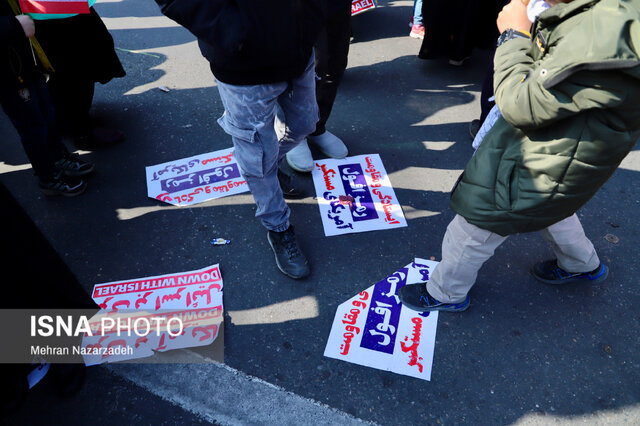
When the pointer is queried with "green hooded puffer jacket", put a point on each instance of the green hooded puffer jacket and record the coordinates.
(570, 103)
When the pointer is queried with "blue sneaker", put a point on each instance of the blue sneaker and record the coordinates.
(416, 297)
(550, 273)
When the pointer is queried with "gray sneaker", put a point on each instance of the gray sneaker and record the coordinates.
(330, 145)
(300, 159)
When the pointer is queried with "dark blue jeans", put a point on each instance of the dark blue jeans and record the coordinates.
(31, 112)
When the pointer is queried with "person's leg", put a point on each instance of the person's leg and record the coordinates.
(82, 52)
(485, 103)
(417, 28)
(298, 103)
(576, 258)
(249, 120)
(465, 248)
(487, 91)
(31, 112)
(32, 115)
(417, 12)
(332, 51)
(438, 19)
(72, 97)
(54, 141)
(574, 251)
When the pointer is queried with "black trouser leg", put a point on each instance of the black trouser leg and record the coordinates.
(487, 91)
(72, 97)
(32, 114)
(331, 50)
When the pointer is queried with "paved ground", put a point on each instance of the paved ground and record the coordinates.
(524, 353)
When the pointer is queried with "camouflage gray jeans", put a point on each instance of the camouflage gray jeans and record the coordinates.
(249, 120)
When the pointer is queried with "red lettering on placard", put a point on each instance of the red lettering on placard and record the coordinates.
(415, 342)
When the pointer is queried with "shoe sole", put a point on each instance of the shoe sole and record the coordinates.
(280, 266)
(462, 306)
(296, 168)
(603, 276)
(412, 35)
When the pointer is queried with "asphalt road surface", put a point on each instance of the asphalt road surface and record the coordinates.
(524, 353)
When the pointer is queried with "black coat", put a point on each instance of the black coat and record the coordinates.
(455, 27)
(17, 66)
(252, 41)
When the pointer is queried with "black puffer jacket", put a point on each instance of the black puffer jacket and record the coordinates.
(17, 66)
(252, 41)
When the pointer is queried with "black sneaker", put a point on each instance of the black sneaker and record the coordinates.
(416, 297)
(72, 165)
(67, 186)
(289, 186)
(289, 258)
(550, 273)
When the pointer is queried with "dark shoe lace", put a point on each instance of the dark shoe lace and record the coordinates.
(290, 244)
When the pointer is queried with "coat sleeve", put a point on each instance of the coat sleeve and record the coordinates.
(10, 30)
(526, 103)
(202, 17)
(219, 23)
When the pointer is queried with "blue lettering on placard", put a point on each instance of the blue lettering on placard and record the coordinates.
(379, 333)
(203, 177)
(355, 185)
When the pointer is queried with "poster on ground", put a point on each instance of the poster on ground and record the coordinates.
(359, 6)
(374, 329)
(355, 195)
(196, 179)
(54, 6)
(141, 316)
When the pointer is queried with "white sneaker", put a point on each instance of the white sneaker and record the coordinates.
(330, 145)
(300, 159)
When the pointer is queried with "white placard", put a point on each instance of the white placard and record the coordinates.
(159, 313)
(355, 195)
(196, 179)
(374, 329)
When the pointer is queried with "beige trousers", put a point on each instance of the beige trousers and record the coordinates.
(466, 247)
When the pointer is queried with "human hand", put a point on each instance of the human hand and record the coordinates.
(514, 15)
(28, 26)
